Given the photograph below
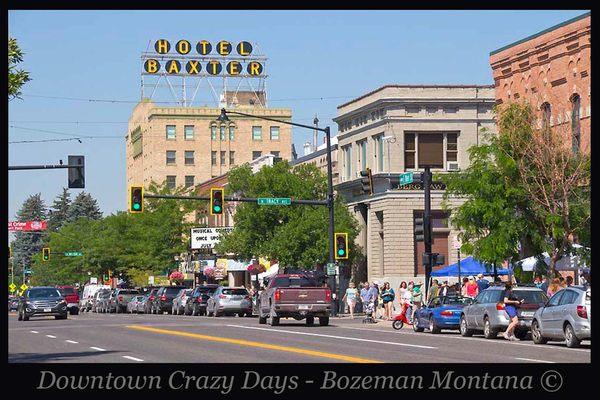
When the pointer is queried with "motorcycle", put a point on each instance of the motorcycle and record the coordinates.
(401, 319)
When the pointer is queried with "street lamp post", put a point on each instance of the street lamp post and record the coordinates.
(223, 118)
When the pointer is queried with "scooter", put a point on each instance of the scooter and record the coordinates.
(401, 319)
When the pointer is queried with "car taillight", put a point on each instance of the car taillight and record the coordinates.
(151, 298)
(327, 295)
(247, 297)
(277, 295)
(163, 297)
(198, 299)
(500, 306)
(447, 313)
(120, 298)
(222, 296)
(582, 311)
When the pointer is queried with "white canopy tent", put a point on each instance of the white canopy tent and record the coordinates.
(570, 262)
(271, 271)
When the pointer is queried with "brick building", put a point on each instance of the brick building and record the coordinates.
(399, 128)
(552, 71)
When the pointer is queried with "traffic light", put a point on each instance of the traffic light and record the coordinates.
(341, 246)
(77, 175)
(217, 200)
(422, 230)
(136, 199)
(46, 254)
(366, 181)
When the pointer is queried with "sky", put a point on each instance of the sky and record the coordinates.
(333, 56)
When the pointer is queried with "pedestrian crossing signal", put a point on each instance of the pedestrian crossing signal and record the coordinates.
(216, 201)
(46, 253)
(341, 246)
(136, 199)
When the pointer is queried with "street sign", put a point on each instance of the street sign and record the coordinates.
(12, 287)
(94, 281)
(406, 178)
(274, 201)
(330, 269)
(23, 287)
(73, 254)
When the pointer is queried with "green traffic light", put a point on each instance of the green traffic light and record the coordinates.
(136, 206)
(341, 252)
(217, 208)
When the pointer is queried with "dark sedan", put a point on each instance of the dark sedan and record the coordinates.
(42, 301)
(196, 302)
(163, 300)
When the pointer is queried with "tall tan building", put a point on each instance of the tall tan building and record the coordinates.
(185, 146)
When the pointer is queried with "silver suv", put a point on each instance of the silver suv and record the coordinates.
(566, 316)
(487, 312)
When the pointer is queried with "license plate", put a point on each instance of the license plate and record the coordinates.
(47, 309)
(527, 313)
(303, 307)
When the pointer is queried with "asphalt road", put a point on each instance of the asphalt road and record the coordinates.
(117, 338)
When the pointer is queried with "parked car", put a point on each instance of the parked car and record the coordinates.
(180, 300)
(122, 298)
(487, 312)
(133, 306)
(294, 295)
(88, 295)
(101, 302)
(110, 304)
(196, 301)
(163, 300)
(42, 300)
(440, 313)
(566, 316)
(71, 296)
(13, 303)
(149, 301)
(229, 301)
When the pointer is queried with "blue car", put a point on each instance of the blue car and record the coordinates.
(440, 313)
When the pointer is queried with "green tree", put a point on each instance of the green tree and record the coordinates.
(27, 244)
(57, 215)
(84, 206)
(16, 77)
(295, 235)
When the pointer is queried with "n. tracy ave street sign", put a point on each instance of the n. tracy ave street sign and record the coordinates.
(274, 201)
(73, 254)
(406, 178)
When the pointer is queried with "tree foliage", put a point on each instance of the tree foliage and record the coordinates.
(16, 77)
(84, 206)
(295, 235)
(57, 215)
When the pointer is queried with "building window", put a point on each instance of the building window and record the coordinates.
(575, 122)
(452, 147)
(171, 134)
(546, 115)
(189, 181)
(379, 152)
(257, 133)
(409, 151)
(188, 132)
(171, 181)
(231, 157)
(171, 157)
(222, 132)
(348, 162)
(274, 133)
(223, 157)
(431, 149)
(362, 152)
(231, 132)
(189, 157)
(213, 158)
(213, 132)
(275, 153)
(256, 154)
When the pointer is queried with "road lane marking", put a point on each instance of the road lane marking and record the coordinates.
(534, 360)
(71, 341)
(97, 348)
(51, 336)
(34, 331)
(249, 343)
(334, 337)
(132, 358)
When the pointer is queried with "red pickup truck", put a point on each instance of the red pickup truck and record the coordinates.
(71, 297)
(294, 295)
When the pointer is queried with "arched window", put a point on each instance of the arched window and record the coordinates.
(546, 114)
(575, 122)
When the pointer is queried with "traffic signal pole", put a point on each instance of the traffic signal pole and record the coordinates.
(427, 231)
(331, 216)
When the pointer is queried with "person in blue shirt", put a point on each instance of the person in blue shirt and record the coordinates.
(482, 284)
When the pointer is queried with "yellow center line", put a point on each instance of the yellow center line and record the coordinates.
(249, 343)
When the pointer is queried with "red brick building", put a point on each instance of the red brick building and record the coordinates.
(552, 71)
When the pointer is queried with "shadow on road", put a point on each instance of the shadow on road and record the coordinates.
(52, 357)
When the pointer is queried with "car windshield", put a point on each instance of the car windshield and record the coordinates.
(204, 290)
(173, 290)
(458, 300)
(44, 294)
(294, 281)
(531, 296)
(235, 292)
(66, 291)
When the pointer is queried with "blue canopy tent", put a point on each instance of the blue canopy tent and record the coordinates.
(469, 266)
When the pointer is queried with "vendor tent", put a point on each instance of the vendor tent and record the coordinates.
(271, 271)
(469, 266)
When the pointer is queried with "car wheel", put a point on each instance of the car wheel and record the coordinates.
(571, 339)
(75, 311)
(433, 328)
(249, 314)
(25, 316)
(20, 317)
(310, 321)
(323, 321)
(118, 309)
(415, 326)
(521, 334)
(536, 333)
(488, 331)
(262, 320)
(273, 321)
(464, 329)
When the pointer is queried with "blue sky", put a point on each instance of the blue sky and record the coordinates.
(95, 54)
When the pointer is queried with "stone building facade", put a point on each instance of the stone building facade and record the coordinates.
(552, 71)
(185, 146)
(399, 128)
(319, 159)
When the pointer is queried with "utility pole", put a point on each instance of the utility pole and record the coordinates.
(427, 176)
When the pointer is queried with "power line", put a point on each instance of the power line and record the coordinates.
(46, 140)
(77, 136)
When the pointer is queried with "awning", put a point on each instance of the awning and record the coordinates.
(469, 266)
(271, 271)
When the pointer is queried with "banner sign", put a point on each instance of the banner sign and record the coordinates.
(206, 238)
(26, 226)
